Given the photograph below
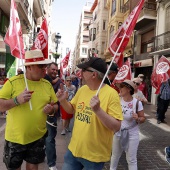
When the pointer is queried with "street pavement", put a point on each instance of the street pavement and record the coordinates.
(153, 139)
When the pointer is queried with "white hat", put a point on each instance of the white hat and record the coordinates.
(140, 75)
(137, 80)
(34, 57)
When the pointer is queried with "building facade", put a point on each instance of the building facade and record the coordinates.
(31, 14)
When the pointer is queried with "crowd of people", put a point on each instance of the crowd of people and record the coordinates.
(111, 118)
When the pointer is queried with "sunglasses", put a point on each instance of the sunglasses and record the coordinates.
(42, 65)
(136, 83)
(85, 69)
(68, 80)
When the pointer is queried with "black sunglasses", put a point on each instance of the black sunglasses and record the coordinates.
(85, 69)
(68, 80)
(136, 83)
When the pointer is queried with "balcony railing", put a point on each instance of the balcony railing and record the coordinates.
(161, 42)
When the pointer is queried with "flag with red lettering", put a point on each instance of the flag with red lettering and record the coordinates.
(13, 36)
(123, 73)
(121, 37)
(160, 74)
(41, 41)
(65, 60)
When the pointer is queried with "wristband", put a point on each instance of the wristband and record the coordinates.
(16, 101)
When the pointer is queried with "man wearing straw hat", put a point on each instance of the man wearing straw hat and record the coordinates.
(27, 112)
(97, 117)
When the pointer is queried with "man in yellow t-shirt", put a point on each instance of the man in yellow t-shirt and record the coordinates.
(25, 127)
(96, 119)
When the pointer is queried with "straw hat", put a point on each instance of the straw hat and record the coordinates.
(140, 75)
(137, 80)
(34, 57)
(129, 84)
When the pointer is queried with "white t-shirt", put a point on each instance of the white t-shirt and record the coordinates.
(127, 109)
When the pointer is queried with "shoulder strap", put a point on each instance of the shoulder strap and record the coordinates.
(137, 103)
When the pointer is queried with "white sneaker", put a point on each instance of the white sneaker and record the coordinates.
(63, 132)
(53, 168)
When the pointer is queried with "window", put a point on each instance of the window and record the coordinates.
(167, 26)
(120, 24)
(104, 24)
(84, 51)
(113, 7)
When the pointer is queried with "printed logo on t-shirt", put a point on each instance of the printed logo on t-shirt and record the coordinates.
(84, 113)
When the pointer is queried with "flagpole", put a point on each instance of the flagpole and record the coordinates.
(23, 69)
(110, 64)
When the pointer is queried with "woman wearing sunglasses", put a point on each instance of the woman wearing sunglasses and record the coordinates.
(138, 93)
(66, 117)
(127, 139)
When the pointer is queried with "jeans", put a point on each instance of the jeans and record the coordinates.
(162, 108)
(168, 151)
(50, 143)
(75, 163)
(131, 154)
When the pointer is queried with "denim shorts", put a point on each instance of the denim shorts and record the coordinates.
(74, 163)
(14, 153)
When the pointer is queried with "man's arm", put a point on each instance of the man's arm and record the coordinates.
(24, 97)
(62, 98)
(6, 104)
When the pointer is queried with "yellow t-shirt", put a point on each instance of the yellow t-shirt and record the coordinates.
(23, 125)
(91, 140)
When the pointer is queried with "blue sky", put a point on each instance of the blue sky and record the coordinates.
(65, 19)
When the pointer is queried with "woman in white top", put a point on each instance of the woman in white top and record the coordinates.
(127, 139)
(138, 94)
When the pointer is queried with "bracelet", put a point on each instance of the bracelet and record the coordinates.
(16, 101)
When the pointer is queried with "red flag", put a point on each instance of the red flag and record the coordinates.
(13, 36)
(161, 73)
(125, 32)
(123, 73)
(65, 60)
(41, 41)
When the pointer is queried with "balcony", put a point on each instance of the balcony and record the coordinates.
(147, 15)
(161, 44)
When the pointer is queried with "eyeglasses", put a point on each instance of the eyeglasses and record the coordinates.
(68, 80)
(42, 65)
(136, 83)
(85, 69)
